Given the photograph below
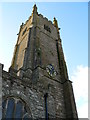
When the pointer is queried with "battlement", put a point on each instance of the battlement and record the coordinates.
(40, 15)
(45, 18)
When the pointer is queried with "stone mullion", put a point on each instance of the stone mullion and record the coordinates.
(22, 111)
(14, 110)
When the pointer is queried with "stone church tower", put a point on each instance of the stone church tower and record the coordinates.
(37, 84)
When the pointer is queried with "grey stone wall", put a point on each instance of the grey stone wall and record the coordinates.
(33, 94)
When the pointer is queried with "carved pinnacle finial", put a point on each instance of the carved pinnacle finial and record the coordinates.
(56, 25)
(34, 9)
(22, 24)
(55, 22)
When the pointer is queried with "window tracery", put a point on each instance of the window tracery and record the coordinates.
(15, 108)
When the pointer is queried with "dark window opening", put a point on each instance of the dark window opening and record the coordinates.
(47, 28)
(14, 108)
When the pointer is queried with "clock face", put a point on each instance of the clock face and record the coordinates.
(50, 70)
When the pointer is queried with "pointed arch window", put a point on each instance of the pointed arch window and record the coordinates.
(10, 108)
(15, 108)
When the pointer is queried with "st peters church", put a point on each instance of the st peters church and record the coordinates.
(37, 83)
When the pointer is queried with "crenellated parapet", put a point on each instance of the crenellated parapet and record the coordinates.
(34, 11)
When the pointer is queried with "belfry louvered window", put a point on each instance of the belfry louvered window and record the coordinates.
(14, 108)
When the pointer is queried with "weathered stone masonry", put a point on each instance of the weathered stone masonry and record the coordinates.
(38, 68)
